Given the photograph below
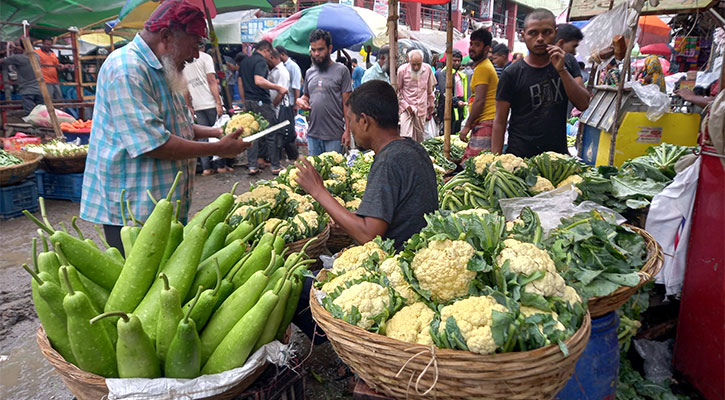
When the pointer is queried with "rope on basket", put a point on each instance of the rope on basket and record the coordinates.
(433, 361)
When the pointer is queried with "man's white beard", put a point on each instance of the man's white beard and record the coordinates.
(415, 75)
(174, 78)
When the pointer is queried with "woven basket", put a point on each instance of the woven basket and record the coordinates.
(599, 306)
(338, 240)
(377, 359)
(66, 165)
(315, 249)
(88, 386)
(16, 173)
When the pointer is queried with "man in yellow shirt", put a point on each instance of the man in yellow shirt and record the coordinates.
(483, 101)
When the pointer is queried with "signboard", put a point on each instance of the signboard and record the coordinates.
(585, 9)
(381, 7)
(486, 10)
(252, 29)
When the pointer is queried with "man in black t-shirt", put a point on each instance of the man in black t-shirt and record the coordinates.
(401, 186)
(536, 90)
(253, 72)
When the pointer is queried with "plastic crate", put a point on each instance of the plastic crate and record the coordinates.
(16, 198)
(59, 186)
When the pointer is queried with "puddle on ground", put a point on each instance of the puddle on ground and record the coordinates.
(25, 374)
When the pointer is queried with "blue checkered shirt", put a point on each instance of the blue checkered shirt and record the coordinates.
(135, 112)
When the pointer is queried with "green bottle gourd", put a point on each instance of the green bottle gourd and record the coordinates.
(135, 354)
(170, 314)
(183, 359)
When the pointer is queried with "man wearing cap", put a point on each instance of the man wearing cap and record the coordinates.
(142, 131)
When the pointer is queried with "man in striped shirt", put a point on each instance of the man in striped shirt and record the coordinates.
(142, 131)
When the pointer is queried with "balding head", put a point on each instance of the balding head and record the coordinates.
(415, 57)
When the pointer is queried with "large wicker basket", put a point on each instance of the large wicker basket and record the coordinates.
(88, 386)
(316, 248)
(65, 165)
(599, 306)
(16, 173)
(378, 360)
(338, 240)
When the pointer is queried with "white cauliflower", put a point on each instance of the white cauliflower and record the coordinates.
(529, 311)
(474, 317)
(244, 121)
(573, 180)
(259, 195)
(355, 256)
(243, 211)
(510, 225)
(369, 298)
(337, 172)
(293, 177)
(271, 224)
(304, 203)
(359, 186)
(411, 324)
(353, 204)
(442, 269)
(509, 162)
(333, 156)
(526, 258)
(482, 161)
(339, 281)
(339, 200)
(392, 271)
(542, 185)
(309, 218)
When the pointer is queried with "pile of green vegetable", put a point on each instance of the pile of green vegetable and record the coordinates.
(58, 148)
(434, 148)
(185, 301)
(461, 283)
(488, 178)
(8, 159)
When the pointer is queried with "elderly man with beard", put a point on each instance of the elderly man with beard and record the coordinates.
(380, 71)
(142, 131)
(327, 87)
(415, 95)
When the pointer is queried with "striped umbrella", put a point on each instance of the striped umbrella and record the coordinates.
(347, 25)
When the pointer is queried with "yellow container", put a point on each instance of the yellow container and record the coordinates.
(636, 134)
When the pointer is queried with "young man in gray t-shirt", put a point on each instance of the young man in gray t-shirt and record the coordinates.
(327, 87)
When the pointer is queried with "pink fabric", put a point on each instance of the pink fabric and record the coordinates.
(418, 94)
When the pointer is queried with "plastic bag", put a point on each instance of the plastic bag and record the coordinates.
(657, 102)
(201, 387)
(431, 130)
(301, 128)
(551, 206)
(657, 358)
(598, 33)
(41, 117)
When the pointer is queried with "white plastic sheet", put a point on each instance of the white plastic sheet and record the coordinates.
(657, 102)
(551, 206)
(669, 222)
(198, 388)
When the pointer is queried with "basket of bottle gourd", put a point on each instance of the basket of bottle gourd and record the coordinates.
(206, 310)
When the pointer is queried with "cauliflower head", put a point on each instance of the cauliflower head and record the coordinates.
(353, 204)
(411, 324)
(392, 271)
(292, 177)
(369, 298)
(359, 186)
(442, 269)
(573, 180)
(348, 276)
(305, 219)
(260, 195)
(337, 172)
(304, 203)
(482, 161)
(333, 156)
(474, 317)
(529, 311)
(271, 224)
(355, 256)
(243, 211)
(542, 185)
(509, 162)
(526, 258)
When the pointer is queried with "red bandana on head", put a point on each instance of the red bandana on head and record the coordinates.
(177, 15)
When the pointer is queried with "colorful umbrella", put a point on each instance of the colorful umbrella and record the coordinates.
(460, 45)
(347, 25)
(652, 30)
(660, 49)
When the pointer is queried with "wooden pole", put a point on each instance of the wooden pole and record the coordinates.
(447, 123)
(590, 84)
(35, 63)
(620, 88)
(220, 62)
(78, 71)
(393, 42)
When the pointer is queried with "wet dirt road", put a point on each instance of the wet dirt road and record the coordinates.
(24, 373)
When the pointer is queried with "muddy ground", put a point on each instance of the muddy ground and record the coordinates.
(25, 374)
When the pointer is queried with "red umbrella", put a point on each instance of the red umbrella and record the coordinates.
(660, 49)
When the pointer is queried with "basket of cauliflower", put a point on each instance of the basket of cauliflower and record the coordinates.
(467, 310)
(249, 122)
